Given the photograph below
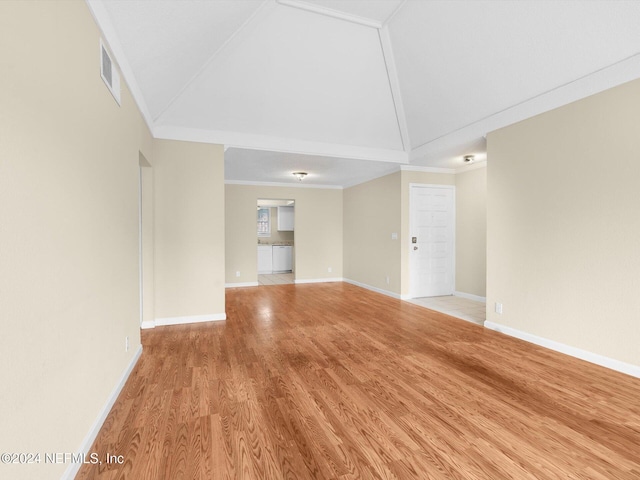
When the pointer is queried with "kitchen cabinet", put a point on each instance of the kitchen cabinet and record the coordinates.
(282, 258)
(265, 259)
(285, 219)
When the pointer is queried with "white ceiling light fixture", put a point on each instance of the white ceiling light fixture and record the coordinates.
(468, 159)
(300, 175)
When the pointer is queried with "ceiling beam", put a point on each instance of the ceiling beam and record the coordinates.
(394, 85)
(279, 144)
(328, 12)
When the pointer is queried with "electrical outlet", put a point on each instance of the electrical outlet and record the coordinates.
(126, 343)
(387, 278)
(498, 308)
(329, 269)
(237, 274)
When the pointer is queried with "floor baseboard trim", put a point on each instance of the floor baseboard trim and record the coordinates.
(73, 468)
(241, 284)
(317, 280)
(471, 296)
(148, 324)
(585, 355)
(214, 317)
(373, 289)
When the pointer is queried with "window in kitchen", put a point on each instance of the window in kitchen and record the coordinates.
(264, 222)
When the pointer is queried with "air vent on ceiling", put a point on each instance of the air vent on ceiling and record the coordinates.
(109, 72)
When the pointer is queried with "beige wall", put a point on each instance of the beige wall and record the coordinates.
(371, 215)
(376, 209)
(563, 224)
(68, 231)
(189, 229)
(318, 231)
(471, 232)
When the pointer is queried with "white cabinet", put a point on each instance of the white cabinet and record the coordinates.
(265, 259)
(285, 219)
(282, 258)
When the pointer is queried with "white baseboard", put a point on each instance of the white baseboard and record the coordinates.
(374, 289)
(241, 284)
(471, 296)
(214, 317)
(73, 468)
(317, 280)
(629, 369)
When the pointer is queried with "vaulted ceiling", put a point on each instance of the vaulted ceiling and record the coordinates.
(352, 89)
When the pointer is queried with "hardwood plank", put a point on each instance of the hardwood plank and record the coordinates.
(330, 381)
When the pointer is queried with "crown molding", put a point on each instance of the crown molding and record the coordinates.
(474, 166)
(417, 168)
(282, 184)
(390, 171)
(110, 37)
(329, 12)
(278, 144)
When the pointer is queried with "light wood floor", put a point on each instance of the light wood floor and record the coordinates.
(324, 381)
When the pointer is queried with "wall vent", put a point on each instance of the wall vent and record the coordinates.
(109, 72)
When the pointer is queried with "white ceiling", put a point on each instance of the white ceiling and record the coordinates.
(351, 89)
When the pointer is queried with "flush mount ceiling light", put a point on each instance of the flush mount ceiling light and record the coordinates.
(468, 159)
(300, 175)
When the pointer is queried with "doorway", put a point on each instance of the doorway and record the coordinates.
(432, 240)
(276, 241)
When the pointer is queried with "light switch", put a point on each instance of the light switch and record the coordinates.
(394, 236)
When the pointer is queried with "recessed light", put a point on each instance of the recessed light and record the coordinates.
(468, 159)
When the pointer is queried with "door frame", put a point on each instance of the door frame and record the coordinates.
(412, 282)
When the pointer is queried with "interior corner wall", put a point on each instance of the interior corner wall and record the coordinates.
(189, 223)
(563, 224)
(471, 232)
(318, 231)
(69, 291)
(371, 216)
(146, 239)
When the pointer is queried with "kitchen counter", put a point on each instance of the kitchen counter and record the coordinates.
(275, 257)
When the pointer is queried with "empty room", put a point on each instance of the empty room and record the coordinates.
(319, 239)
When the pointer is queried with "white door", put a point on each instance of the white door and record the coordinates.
(432, 245)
